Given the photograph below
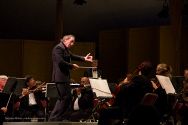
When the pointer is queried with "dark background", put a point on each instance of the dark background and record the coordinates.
(36, 19)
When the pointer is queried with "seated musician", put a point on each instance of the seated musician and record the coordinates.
(3, 110)
(129, 96)
(161, 103)
(182, 110)
(82, 103)
(32, 101)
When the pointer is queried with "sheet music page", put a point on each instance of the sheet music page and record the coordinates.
(101, 88)
(166, 84)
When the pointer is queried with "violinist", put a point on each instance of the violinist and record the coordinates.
(32, 101)
(82, 102)
(126, 81)
(129, 96)
(123, 82)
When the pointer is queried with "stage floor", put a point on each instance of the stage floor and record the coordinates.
(50, 123)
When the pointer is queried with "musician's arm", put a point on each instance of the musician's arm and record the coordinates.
(3, 109)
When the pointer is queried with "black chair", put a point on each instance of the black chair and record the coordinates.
(149, 99)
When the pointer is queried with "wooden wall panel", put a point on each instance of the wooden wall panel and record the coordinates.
(113, 54)
(11, 57)
(37, 59)
(143, 45)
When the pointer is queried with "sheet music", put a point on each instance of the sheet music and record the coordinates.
(101, 88)
(166, 84)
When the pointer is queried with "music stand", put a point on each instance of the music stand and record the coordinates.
(177, 82)
(10, 85)
(52, 95)
(51, 90)
(100, 88)
(20, 85)
(9, 89)
(166, 84)
(102, 91)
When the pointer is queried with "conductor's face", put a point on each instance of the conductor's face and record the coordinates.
(69, 42)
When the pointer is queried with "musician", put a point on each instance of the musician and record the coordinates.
(186, 73)
(3, 110)
(3, 81)
(32, 101)
(185, 81)
(183, 101)
(130, 95)
(82, 103)
(164, 70)
(93, 72)
(161, 103)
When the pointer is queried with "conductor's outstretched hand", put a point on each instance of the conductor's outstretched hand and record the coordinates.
(88, 58)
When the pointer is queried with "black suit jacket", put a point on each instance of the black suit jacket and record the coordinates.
(130, 95)
(38, 95)
(85, 102)
(61, 58)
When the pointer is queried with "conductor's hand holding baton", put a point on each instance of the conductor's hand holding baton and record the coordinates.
(88, 58)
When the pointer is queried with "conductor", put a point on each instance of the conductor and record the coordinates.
(61, 57)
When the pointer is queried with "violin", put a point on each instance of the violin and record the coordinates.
(26, 91)
(127, 80)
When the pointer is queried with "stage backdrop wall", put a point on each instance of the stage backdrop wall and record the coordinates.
(23, 57)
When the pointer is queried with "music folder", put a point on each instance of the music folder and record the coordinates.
(100, 88)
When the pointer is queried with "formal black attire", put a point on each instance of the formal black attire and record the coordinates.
(162, 101)
(61, 57)
(128, 98)
(4, 97)
(35, 110)
(131, 94)
(85, 103)
(2, 117)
